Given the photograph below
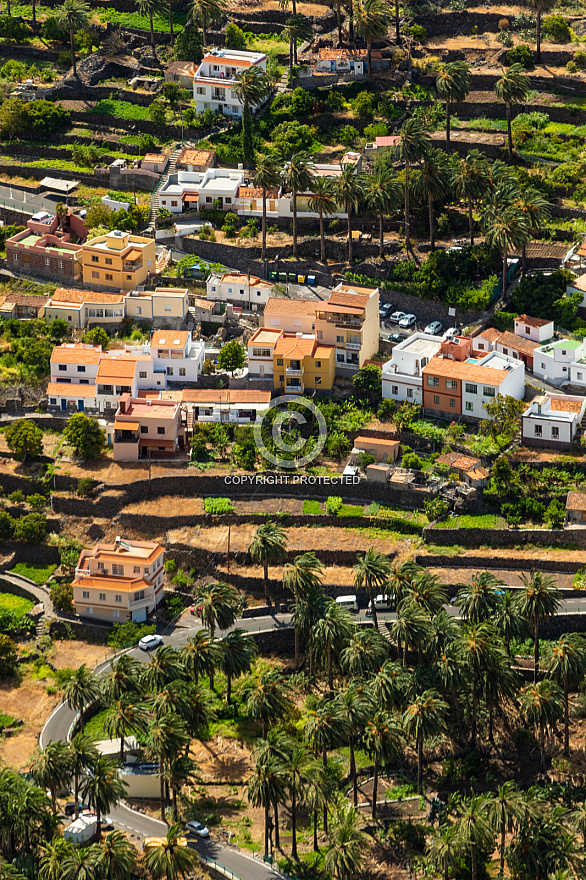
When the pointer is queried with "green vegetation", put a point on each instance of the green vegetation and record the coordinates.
(218, 505)
(128, 633)
(16, 605)
(35, 571)
(311, 507)
(111, 107)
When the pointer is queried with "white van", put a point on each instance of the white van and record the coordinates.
(381, 603)
(348, 602)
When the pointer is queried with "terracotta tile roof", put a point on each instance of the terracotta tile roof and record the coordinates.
(64, 295)
(76, 354)
(23, 299)
(203, 304)
(73, 390)
(536, 322)
(116, 584)
(116, 368)
(215, 396)
(265, 336)
(511, 340)
(154, 157)
(491, 334)
(229, 60)
(387, 140)
(576, 501)
(255, 192)
(282, 306)
(291, 345)
(242, 278)
(579, 283)
(342, 54)
(353, 300)
(169, 339)
(187, 68)
(478, 474)
(565, 404)
(457, 460)
(464, 371)
(374, 441)
(196, 157)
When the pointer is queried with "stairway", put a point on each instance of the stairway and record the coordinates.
(171, 169)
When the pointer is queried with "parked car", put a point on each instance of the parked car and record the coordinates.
(197, 828)
(150, 642)
(396, 317)
(70, 808)
(407, 321)
(451, 331)
(435, 328)
(385, 309)
(397, 337)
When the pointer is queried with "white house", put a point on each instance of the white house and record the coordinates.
(553, 420)
(249, 291)
(495, 374)
(213, 81)
(553, 362)
(401, 376)
(235, 407)
(173, 354)
(74, 370)
(578, 285)
(261, 347)
(536, 329)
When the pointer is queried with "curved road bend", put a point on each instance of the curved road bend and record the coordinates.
(58, 727)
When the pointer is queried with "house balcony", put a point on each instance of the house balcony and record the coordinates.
(132, 265)
(353, 346)
(292, 371)
(85, 572)
(341, 320)
(294, 389)
(126, 438)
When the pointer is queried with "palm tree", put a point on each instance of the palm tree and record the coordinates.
(163, 668)
(320, 787)
(301, 577)
(424, 718)
(267, 698)
(54, 854)
(150, 8)
(383, 739)
(349, 192)
(306, 612)
(452, 84)
(504, 810)
(427, 592)
(251, 87)
(297, 177)
(411, 627)
(267, 176)
(73, 15)
(365, 653)
(167, 736)
(506, 229)
(356, 704)
(200, 654)
(444, 849)
(322, 201)
(479, 600)
(474, 830)
(567, 666)
(102, 788)
(125, 716)
(431, 183)
(479, 654)
(170, 860)
(296, 767)
(265, 788)
(83, 755)
(182, 771)
(204, 12)
(123, 678)
(330, 633)
(512, 88)
(542, 705)
(237, 654)
(508, 623)
(51, 768)
(383, 194)
(536, 207)
(371, 22)
(372, 571)
(388, 686)
(81, 864)
(413, 144)
(117, 857)
(218, 606)
(540, 6)
(268, 547)
(297, 27)
(347, 844)
(80, 689)
(469, 180)
(539, 600)
(326, 728)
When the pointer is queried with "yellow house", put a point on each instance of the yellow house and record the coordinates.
(163, 303)
(118, 260)
(302, 363)
(349, 320)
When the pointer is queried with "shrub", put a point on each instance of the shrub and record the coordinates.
(333, 504)
(376, 129)
(580, 59)
(31, 528)
(36, 501)
(85, 487)
(6, 525)
(386, 409)
(24, 439)
(218, 505)
(235, 36)
(311, 507)
(85, 435)
(364, 104)
(520, 55)
(418, 33)
(8, 657)
(16, 497)
(62, 597)
(572, 67)
(170, 566)
(347, 511)
(128, 633)
(412, 460)
(557, 29)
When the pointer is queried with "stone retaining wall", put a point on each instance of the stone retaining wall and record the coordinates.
(504, 563)
(505, 537)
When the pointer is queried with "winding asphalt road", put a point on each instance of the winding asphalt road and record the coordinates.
(232, 860)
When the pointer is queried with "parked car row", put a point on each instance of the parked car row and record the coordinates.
(407, 320)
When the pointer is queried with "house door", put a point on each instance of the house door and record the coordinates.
(63, 405)
(80, 406)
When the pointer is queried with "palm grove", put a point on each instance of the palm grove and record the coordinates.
(354, 701)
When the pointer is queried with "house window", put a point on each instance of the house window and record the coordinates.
(15, 257)
(167, 308)
(102, 597)
(59, 264)
(505, 350)
(564, 352)
(144, 429)
(108, 261)
(481, 346)
(281, 378)
(488, 391)
(47, 261)
(279, 362)
(118, 598)
(138, 310)
(53, 401)
(139, 595)
(129, 277)
(95, 259)
(542, 366)
(471, 389)
(469, 406)
(433, 380)
(160, 430)
(146, 569)
(118, 570)
(318, 364)
(95, 274)
(182, 371)
(89, 610)
(63, 367)
(318, 380)
(339, 339)
(142, 374)
(109, 277)
(436, 399)
(173, 204)
(100, 566)
(136, 569)
(555, 433)
(538, 431)
(115, 614)
(80, 369)
(527, 330)
(564, 369)
(169, 371)
(452, 384)
(452, 402)
(579, 377)
(86, 594)
(409, 392)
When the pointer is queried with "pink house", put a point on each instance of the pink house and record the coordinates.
(149, 429)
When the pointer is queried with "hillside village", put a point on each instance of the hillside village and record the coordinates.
(292, 434)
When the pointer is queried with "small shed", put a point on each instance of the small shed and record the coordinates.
(383, 450)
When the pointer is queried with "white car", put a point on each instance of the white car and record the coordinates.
(407, 321)
(197, 828)
(451, 331)
(149, 643)
(434, 329)
(396, 317)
